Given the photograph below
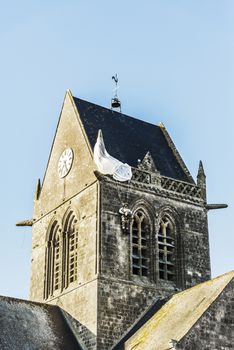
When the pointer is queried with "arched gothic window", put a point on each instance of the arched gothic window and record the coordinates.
(70, 247)
(166, 249)
(53, 261)
(140, 243)
(61, 255)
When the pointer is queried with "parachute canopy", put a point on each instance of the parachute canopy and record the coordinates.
(109, 165)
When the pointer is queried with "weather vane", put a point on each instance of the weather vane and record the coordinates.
(115, 102)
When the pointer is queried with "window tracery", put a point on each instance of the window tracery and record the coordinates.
(61, 255)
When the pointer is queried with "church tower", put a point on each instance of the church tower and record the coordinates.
(105, 250)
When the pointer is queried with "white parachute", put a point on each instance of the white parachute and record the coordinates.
(109, 165)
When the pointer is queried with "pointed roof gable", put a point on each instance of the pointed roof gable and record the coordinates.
(178, 315)
(129, 139)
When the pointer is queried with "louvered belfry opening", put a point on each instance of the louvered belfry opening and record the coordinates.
(71, 245)
(57, 251)
(166, 249)
(140, 238)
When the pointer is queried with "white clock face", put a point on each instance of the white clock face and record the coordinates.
(65, 162)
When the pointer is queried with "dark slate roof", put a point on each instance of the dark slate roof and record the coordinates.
(129, 139)
(139, 323)
(27, 325)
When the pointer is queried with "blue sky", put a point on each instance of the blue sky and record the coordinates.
(175, 61)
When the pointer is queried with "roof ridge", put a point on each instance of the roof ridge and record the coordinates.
(173, 147)
(115, 112)
(211, 280)
(8, 298)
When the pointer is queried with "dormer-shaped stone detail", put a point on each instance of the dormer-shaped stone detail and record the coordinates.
(148, 163)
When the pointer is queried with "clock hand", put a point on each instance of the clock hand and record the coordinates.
(65, 165)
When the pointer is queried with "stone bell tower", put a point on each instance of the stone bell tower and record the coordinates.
(105, 250)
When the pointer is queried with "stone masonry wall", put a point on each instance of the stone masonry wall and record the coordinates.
(215, 329)
(120, 304)
(196, 246)
(192, 233)
(69, 134)
(122, 297)
(80, 295)
(78, 191)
